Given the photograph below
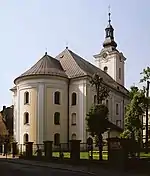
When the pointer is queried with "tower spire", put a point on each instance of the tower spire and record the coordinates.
(109, 31)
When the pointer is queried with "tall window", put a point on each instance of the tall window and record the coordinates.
(119, 73)
(56, 139)
(73, 119)
(26, 138)
(105, 69)
(73, 137)
(57, 118)
(26, 118)
(117, 109)
(57, 97)
(26, 97)
(95, 99)
(74, 98)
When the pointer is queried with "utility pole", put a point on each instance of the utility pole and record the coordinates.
(147, 107)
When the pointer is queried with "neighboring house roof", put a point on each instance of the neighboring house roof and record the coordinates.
(47, 65)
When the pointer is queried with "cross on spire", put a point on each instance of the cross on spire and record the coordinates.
(109, 14)
(66, 45)
(45, 51)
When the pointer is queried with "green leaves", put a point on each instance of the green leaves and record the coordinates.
(134, 112)
(146, 75)
(97, 119)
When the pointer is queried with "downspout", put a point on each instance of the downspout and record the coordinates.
(68, 115)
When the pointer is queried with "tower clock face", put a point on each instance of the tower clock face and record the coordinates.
(105, 57)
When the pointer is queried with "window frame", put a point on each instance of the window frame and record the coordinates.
(26, 118)
(25, 136)
(56, 142)
(73, 134)
(72, 120)
(74, 99)
(105, 69)
(57, 99)
(26, 97)
(55, 118)
(120, 73)
(117, 109)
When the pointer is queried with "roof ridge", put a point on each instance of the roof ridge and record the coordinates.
(46, 65)
(82, 59)
(70, 52)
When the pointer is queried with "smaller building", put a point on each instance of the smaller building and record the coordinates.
(3, 129)
(7, 118)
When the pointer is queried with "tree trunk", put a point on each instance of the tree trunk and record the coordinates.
(100, 147)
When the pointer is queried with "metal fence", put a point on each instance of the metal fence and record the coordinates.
(38, 149)
(59, 150)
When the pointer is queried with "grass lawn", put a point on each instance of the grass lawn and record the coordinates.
(83, 155)
(144, 155)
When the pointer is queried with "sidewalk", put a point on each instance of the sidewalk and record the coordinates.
(72, 168)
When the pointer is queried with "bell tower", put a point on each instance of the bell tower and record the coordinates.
(110, 59)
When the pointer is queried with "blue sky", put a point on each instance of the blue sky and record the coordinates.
(28, 27)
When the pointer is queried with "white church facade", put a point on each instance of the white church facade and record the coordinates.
(52, 98)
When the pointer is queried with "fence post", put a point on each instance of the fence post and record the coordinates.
(29, 149)
(48, 149)
(14, 149)
(75, 150)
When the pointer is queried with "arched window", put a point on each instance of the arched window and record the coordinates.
(106, 69)
(57, 118)
(26, 118)
(56, 139)
(95, 99)
(26, 98)
(73, 120)
(73, 137)
(74, 98)
(26, 138)
(57, 98)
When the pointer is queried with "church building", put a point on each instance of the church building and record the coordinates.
(53, 97)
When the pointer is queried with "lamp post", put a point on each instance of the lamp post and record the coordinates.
(147, 106)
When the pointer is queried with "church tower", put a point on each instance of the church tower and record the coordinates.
(110, 59)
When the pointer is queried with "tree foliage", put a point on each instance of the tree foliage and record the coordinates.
(97, 118)
(133, 114)
(133, 91)
(145, 74)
